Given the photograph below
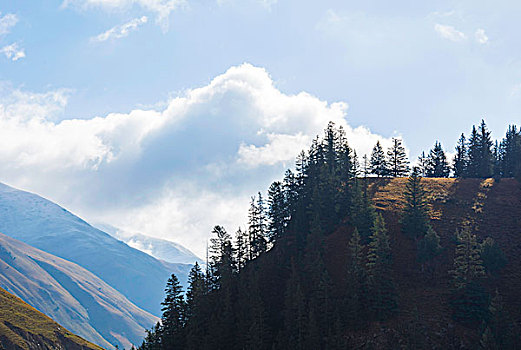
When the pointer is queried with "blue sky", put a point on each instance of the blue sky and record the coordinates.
(164, 116)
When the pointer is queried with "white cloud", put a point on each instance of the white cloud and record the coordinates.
(449, 32)
(162, 8)
(480, 36)
(7, 21)
(122, 30)
(13, 52)
(173, 172)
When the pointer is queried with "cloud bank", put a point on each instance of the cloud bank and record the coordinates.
(174, 172)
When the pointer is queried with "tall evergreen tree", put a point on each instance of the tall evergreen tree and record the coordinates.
(356, 296)
(510, 153)
(437, 165)
(174, 316)
(422, 164)
(460, 162)
(415, 219)
(241, 248)
(397, 161)
(195, 309)
(378, 162)
(469, 299)
(379, 269)
(256, 227)
(277, 212)
(480, 153)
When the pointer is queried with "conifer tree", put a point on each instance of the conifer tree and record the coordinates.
(398, 164)
(460, 162)
(256, 228)
(470, 299)
(174, 316)
(492, 256)
(378, 162)
(501, 324)
(276, 211)
(510, 153)
(415, 219)
(222, 262)
(428, 248)
(195, 313)
(379, 269)
(357, 282)
(422, 164)
(437, 165)
(241, 249)
(468, 265)
(480, 154)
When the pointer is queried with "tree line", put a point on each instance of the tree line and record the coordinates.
(271, 287)
(476, 157)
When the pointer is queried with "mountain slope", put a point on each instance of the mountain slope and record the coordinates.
(47, 226)
(71, 295)
(23, 327)
(159, 248)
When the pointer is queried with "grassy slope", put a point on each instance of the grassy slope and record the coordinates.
(70, 295)
(492, 208)
(23, 327)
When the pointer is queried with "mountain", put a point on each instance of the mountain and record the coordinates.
(47, 226)
(159, 248)
(71, 295)
(23, 327)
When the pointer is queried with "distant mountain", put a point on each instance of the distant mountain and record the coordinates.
(71, 295)
(49, 227)
(23, 327)
(159, 248)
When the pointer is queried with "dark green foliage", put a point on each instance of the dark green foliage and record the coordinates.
(492, 256)
(460, 162)
(277, 211)
(428, 246)
(437, 165)
(480, 156)
(415, 220)
(397, 162)
(501, 327)
(378, 162)
(468, 266)
(257, 228)
(174, 316)
(509, 153)
(470, 299)
(382, 291)
(356, 296)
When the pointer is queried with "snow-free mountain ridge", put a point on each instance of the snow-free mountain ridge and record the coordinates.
(47, 226)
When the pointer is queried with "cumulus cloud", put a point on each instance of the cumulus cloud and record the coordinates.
(449, 32)
(173, 172)
(13, 52)
(7, 21)
(481, 37)
(122, 30)
(162, 8)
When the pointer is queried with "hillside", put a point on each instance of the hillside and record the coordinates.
(71, 295)
(24, 328)
(49, 227)
(493, 209)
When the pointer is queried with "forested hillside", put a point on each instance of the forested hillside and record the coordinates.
(365, 254)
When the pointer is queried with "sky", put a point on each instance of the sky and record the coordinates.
(164, 117)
